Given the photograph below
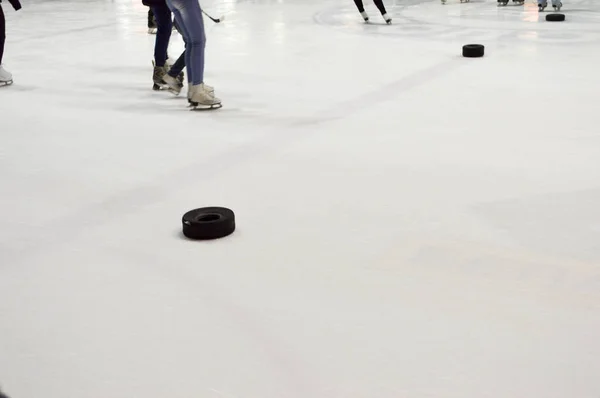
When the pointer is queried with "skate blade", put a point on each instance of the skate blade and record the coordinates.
(173, 91)
(160, 87)
(8, 83)
(201, 107)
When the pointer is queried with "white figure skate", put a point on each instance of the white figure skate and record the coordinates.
(556, 4)
(6, 78)
(200, 97)
(503, 3)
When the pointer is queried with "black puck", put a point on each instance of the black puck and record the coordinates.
(555, 17)
(473, 50)
(208, 223)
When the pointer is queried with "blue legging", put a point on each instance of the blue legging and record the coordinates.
(188, 16)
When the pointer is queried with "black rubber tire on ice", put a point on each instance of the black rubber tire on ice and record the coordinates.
(473, 50)
(555, 17)
(208, 223)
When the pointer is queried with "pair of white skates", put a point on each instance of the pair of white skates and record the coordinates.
(462, 1)
(542, 4)
(200, 96)
(6, 78)
(386, 17)
(505, 2)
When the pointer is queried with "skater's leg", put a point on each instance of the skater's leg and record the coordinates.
(5, 76)
(188, 15)
(185, 34)
(361, 9)
(162, 14)
(2, 33)
(174, 77)
(380, 6)
(359, 5)
(189, 18)
(178, 66)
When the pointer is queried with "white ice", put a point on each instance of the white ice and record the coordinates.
(411, 223)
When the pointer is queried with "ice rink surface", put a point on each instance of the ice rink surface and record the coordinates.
(411, 223)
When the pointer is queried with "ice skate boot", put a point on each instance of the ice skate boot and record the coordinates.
(365, 16)
(542, 4)
(158, 77)
(556, 5)
(387, 19)
(200, 97)
(190, 91)
(502, 3)
(174, 84)
(6, 78)
(444, 2)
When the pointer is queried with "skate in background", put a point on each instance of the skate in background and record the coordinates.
(380, 7)
(152, 27)
(461, 1)
(504, 3)
(6, 78)
(556, 4)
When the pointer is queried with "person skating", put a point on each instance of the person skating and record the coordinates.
(380, 7)
(162, 17)
(188, 16)
(6, 77)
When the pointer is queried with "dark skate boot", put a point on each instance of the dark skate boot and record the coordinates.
(157, 77)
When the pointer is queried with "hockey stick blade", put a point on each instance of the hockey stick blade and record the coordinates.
(215, 20)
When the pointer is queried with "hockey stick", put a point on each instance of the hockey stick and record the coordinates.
(215, 20)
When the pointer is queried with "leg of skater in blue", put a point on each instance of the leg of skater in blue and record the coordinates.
(188, 16)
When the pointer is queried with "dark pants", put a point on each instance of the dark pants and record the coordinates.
(164, 27)
(2, 33)
(178, 66)
(161, 45)
(378, 3)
